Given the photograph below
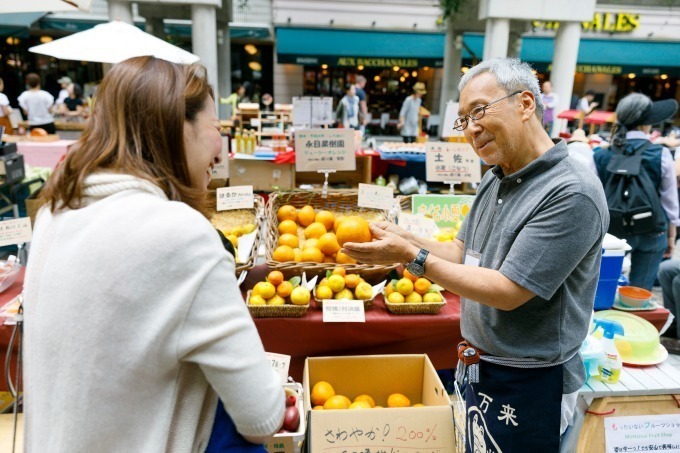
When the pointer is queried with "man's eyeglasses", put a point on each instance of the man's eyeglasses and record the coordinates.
(477, 113)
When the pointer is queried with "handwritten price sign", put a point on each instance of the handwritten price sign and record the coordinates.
(376, 197)
(237, 197)
(343, 311)
(15, 231)
(325, 149)
(449, 162)
(280, 363)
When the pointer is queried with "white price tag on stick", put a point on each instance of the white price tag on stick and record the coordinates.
(15, 231)
(376, 197)
(343, 310)
(423, 227)
(280, 363)
(446, 162)
(238, 197)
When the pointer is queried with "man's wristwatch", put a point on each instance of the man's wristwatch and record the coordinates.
(417, 266)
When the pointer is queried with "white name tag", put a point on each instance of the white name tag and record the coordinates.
(472, 258)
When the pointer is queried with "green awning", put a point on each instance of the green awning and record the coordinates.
(15, 23)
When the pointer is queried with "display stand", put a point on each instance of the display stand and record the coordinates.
(324, 190)
(452, 184)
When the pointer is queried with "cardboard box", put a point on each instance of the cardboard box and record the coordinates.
(426, 429)
(263, 175)
(290, 442)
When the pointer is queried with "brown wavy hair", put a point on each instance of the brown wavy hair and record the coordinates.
(137, 128)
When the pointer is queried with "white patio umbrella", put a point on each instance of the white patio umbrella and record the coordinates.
(29, 6)
(113, 42)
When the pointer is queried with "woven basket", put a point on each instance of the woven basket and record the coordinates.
(420, 308)
(276, 311)
(337, 202)
(257, 214)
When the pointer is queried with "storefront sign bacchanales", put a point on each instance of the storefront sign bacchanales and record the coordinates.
(604, 22)
(378, 62)
(596, 69)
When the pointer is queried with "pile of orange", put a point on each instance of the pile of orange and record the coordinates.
(323, 397)
(412, 290)
(338, 284)
(277, 291)
(309, 235)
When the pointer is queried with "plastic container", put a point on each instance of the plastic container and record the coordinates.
(610, 365)
(591, 354)
(632, 296)
(610, 272)
(8, 278)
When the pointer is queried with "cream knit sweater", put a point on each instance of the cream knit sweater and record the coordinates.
(133, 316)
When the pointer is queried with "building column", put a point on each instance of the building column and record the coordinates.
(204, 41)
(120, 10)
(563, 69)
(223, 65)
(496, 38)
(453, 59)
(154, 26)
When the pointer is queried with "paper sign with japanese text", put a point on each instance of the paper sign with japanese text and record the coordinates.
(237, 197)
(325, 149)
(221, 170)
(15, 231)
(312, 111)
(376, 197)
(280, 363)
(449, 162)
(642, 433)
(445, 210)
(343, 310)
(419, 225)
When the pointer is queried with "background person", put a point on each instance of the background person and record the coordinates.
(154, 330)
(73, 105)
(360, 88)
(550, 101)
(586, 104)
(525, 269)
(234, 99)
(5, 110)
(581, 151)
(64, 83)
(409, 114)
(36, 104)
(347, 112)
(634, 116)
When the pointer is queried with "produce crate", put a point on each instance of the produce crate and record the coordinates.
(421, 308)
(345, 202)
(238, 217)
(276, 311)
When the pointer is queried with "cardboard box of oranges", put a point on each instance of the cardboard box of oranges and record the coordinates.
(338, 284)
(306, 231)
(276, 297)
(411, 295)
(373, 402)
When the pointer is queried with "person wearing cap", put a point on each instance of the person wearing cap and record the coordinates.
(64, 82)
(524, 264)
(635, 115)
(408, 116)
(581, 151)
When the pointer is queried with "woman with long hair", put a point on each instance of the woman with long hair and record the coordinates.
(134, 323)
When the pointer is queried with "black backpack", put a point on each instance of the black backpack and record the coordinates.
(632, 197)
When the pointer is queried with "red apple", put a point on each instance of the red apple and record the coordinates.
(291, 420)
(290, 400)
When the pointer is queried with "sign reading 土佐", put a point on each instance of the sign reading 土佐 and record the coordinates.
(237, 197)
(325, 149)
(452, 162)
(15, 231)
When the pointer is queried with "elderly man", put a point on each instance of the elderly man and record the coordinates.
(525, 264)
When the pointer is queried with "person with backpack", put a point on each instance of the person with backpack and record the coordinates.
(640, 185)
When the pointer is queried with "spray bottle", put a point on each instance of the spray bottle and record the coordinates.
(610, 365)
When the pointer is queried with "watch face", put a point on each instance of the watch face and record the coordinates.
(416, 269)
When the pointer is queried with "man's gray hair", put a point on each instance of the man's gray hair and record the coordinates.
(511, 74)
(361, 79)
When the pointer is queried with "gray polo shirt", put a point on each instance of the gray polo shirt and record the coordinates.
(542, 227)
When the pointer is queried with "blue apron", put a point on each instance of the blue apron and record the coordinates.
(514, 409)
(225, 438)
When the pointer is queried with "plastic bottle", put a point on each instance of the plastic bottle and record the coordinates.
(609, 366)
(238, 142)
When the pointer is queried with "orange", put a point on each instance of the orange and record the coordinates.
(283, 253)
(352, 280)
(360, 405)
(365, 398)
(306, 216)
(328, 243)
(413, 298)
(330, 259)
(410, 276)
(321, 392)
(297, 255)
(287, 212)
(318, 408)
(325, 217)
(275, 278)
(398, 400)
(341, 258)
(418, 405)
(284, 289)
(395, 298)
(353, 229)
(291, 240)
(336, 402)
(288, 226)
(265, 289)
(422, 285)
(313, 242)
(339, 270)
(405, 286)
(312, 254)
(338, 219)
(315, 231)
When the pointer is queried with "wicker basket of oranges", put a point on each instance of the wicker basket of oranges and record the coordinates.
(412, 295)
(306, 231)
